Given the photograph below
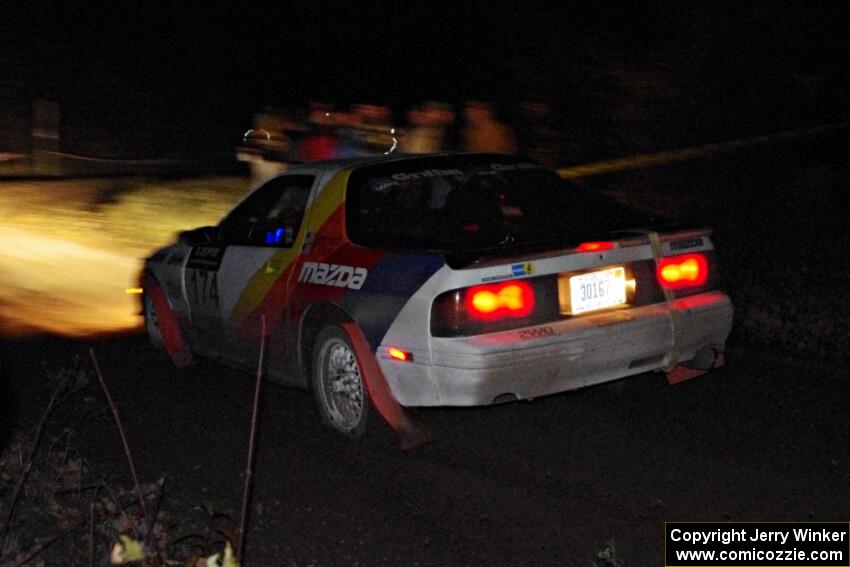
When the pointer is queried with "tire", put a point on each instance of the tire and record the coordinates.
(337, 384)
(152, 324)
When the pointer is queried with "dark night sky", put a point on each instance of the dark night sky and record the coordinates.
(756, 58)
(378, 50)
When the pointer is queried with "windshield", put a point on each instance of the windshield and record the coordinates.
(468, 203)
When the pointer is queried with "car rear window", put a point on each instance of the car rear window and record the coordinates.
(463, 203)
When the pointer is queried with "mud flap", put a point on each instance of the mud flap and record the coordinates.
(411, 433)
(172, 335)
(682, 372)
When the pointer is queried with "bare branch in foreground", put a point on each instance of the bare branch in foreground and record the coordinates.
(246, 494)
(136, 485)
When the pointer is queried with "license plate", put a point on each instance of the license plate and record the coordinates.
(597, 290)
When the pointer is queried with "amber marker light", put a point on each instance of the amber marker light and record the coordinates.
(134, 291)
(398, 354)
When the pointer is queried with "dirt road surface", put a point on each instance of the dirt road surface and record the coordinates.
(541, 483)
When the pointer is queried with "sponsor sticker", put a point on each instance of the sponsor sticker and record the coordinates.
(507, 272)
(205, 258)
(514, 166)
(496, 274)
(685, 244)
(335, 275)
(520, 270)
(426, 174)
(536, 333)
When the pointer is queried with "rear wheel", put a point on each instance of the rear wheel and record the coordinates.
(338, 386)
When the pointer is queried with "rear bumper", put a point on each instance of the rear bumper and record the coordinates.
(556, 357)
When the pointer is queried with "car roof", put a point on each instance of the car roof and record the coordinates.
(353, 162)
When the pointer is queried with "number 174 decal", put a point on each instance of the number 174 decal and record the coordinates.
(202, 287)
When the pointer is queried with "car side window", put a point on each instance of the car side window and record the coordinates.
(272, 215)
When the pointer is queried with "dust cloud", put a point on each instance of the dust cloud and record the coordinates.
(70, 249)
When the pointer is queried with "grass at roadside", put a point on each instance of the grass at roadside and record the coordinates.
(782, 243)
(787, 294)
(57, 508)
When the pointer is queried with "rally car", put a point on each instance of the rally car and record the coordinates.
(438, 280)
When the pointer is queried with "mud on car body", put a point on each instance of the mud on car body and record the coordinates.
(471, 279)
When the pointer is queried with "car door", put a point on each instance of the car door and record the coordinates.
(257, 245)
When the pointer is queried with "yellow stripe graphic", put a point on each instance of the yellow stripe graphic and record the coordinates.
(315, 217)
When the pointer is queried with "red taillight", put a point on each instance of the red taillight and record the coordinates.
(497, 301)
(494, 307)
(688, 270)
(594, 246)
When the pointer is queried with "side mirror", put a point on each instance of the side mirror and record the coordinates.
(199, 236)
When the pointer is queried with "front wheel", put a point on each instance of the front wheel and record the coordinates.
(152, 324)
(338, 386)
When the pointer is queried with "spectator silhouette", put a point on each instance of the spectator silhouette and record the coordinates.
(321, 141)
(428, 132)
(484, 132)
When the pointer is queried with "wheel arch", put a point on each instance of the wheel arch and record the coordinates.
(173, 337)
